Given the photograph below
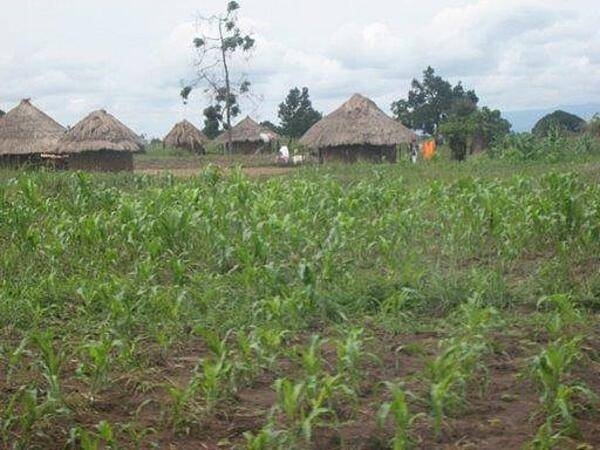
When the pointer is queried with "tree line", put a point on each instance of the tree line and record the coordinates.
(296, 115)
(437, 108)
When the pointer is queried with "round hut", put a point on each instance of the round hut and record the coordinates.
(249, 137)
(186, 136)
(25, 134)
(99, 143)
(357, 131)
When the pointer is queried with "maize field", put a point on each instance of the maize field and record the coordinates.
(352, 308)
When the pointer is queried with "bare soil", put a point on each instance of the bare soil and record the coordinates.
(253, 166)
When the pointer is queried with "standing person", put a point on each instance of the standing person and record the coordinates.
(429, 149)
(414, 150)
(284, 155)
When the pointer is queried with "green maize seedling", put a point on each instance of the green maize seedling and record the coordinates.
(403, 419)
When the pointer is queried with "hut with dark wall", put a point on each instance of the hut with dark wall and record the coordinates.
(99, 143)
(185, 135)
(357, 131)
(247, 137)
(25, 134)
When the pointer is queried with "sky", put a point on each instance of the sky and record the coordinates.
(131, 57)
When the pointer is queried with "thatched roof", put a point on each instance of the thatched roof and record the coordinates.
(99, 131)
(359, 121)
(247, 131)
(187, 136)
(26, 130)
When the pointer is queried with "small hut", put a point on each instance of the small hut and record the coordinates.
(357, 131)
(25, 134)
(99, 143)
(186, 136)
(248, 137)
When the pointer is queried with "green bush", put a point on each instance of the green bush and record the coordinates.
(555, 147)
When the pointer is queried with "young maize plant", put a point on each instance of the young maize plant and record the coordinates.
(403, 420)
(212, 380)
(98, 360)
(551, 369)
(459, 360)
(184, 406)
(564, 314)
(304, 405)
(266, 439)
(350, 353)
(103, 438)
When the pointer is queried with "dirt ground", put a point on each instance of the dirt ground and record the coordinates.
(502, 411)
(259, 166)
(190, 172)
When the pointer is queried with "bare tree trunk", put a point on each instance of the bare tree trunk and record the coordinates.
(227, 91)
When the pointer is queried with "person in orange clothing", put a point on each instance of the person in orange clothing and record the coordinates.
(429, 149)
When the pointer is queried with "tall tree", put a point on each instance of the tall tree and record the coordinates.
(214, 66)
(456, 131)
(213, 117)
(2, 113)
(476, 128)
(560, 120)
(297, 114)
(488, 126)
(430, 101)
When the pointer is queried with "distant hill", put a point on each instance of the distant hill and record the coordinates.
(524, 120)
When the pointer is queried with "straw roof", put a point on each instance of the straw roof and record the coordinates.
(26, 130)
(247, 131)
(359, 121)
(99, 131)
(187, 136)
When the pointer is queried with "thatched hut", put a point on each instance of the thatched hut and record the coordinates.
(186, 136)
(25, 134)
(249, 137)
(99, 143)
(356, 131)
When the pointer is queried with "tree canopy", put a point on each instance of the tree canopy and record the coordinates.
(213, 116)
(488, 126)
(215, 69)
(435, 106)
(477, 128)
(560, 120)
(593, 126)
(430, 101)
(2, 113)
(297, 114)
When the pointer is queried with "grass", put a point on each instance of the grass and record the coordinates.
(140, 311)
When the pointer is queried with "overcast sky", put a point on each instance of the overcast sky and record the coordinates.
(130, 56)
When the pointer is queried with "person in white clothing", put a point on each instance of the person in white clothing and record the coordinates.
(284, 155)
(414, 150)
